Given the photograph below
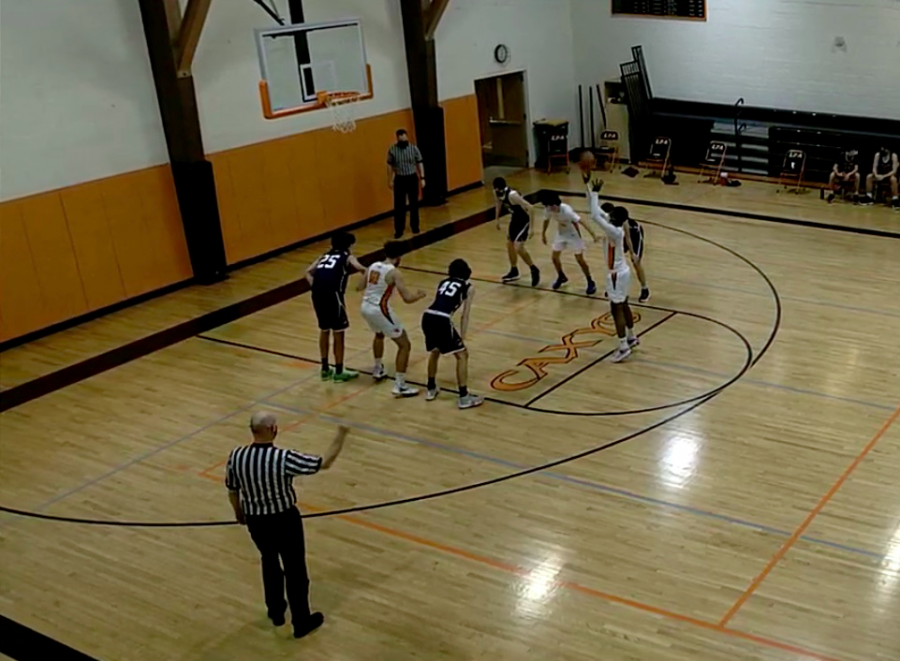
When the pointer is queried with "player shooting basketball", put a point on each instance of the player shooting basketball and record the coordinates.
(618, 276)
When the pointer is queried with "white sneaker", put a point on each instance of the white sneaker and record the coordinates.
(431, 395)
(633, 342)
(379, 374)
(404, 391)
(621, 354)
(470, 401)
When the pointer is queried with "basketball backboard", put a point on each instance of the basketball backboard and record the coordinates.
(305, 65)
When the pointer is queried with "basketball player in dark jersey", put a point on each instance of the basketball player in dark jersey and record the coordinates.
(634, 245)
(328, 277)
(511, 202)
(884, 168)
(441, 336)
(845, 173)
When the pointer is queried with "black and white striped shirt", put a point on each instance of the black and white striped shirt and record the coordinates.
(404, 159)
(264, 476)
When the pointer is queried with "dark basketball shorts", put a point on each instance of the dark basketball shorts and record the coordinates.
(518, 228)
(441, 335)
(637, 241)
(330, 310)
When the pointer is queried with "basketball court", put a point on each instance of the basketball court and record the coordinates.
(729, 492)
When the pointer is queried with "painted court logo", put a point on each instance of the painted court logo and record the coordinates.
(533, 370)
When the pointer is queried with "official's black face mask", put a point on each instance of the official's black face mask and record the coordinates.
(403, 144)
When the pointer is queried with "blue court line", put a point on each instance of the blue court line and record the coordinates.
(706, 372)
(579, 482)
(162, 448)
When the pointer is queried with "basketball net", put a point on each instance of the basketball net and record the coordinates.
(341, 105)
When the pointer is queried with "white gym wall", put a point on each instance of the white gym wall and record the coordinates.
(538, 32)
(77, 100)
(226, 68)
(539, 36)
(774, 53)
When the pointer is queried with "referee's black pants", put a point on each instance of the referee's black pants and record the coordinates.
(279, 538)
(406, 187)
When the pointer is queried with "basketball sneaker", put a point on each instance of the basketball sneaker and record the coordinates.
(345, 375)
(560, 281)
(535, 276)
(327, 375)
(895, 203)
(404, 391)
(470, 401)
(645, 295)
(621, 354)
(830, 198)
(512, 276)
(591, 288)
(431, 394)
(633, 342)
(379, 374)
(866, 201)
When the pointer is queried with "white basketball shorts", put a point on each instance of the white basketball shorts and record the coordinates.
(563, 243)
(382, 320)
(617, 285)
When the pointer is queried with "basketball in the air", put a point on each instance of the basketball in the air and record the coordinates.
(587, 162)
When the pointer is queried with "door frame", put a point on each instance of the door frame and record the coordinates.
(529, 134)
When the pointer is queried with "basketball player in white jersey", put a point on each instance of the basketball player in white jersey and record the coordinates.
(634, 246)
(382, 278)
(618, 275)
(568, 237)
(507, 200)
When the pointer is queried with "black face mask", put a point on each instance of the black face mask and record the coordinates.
(403, 144)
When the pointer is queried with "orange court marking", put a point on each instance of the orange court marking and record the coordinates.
(577, 587)
(775, 559)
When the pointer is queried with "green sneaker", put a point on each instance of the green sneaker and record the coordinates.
(346, 375)
(327, 374)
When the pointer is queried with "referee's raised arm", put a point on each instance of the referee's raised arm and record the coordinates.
(259, 478)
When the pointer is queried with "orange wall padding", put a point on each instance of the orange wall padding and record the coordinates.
(68, 252)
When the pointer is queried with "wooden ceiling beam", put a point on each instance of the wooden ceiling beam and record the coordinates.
(435, 14)
(189, 34)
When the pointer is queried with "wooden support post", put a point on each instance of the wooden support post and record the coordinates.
(194, 183)
(421, 66)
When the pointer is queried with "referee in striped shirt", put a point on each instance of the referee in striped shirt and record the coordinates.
(260, 478)
(405, 173)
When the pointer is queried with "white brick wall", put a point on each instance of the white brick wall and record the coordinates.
(775, 53)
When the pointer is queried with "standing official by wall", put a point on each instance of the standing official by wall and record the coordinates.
(406, 173)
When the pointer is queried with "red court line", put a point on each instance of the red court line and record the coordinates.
(577, 587)
(775, 559)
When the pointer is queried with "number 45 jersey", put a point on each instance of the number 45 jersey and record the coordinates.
(437, 326)
(451, 294)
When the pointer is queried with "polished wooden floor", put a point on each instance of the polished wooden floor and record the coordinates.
(734, 495)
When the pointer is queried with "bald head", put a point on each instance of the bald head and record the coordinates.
(264, 427)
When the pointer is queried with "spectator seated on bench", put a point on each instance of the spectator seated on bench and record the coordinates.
(845, 175)
(884, 172)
